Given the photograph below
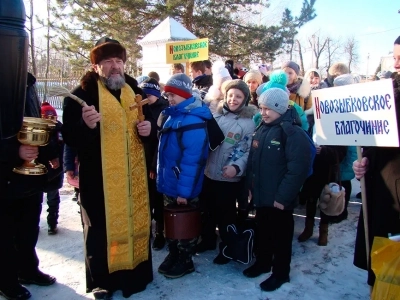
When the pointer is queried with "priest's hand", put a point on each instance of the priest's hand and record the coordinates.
(90, 116)
(181, 200)
(28, 153)
(360, 168)
(144, 128)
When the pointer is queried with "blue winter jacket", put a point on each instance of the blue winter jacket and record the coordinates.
(180, 165)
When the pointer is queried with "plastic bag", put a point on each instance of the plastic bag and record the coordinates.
(385, 262)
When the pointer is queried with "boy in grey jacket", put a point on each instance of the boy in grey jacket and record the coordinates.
(278, 164)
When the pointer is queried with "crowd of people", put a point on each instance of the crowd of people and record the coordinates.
(135, 158)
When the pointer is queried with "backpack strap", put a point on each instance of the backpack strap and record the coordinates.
(179, 131)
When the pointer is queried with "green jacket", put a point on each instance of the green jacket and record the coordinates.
(279, 161)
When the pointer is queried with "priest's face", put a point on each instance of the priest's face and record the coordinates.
(111, 72)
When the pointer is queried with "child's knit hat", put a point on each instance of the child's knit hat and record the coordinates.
(291, 64)
(253, 75)
(277, 79)
(344, 79)
(240, 85)
(151, 87)
(220, 74)
(48, 111)
(275, 99)
(179, 84)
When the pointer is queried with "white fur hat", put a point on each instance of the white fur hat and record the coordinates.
(219, 74)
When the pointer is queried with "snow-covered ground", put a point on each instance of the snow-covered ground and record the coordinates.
(316, 272)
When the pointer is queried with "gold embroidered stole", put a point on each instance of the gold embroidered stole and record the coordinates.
(124, 181)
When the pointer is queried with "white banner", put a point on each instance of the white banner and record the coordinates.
(362, 114)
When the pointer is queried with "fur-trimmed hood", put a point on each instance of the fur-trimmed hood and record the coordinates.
(247, 112)
(304, 89)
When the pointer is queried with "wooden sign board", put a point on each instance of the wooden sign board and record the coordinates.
(187, 51)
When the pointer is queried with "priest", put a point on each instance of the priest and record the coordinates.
(112, 174)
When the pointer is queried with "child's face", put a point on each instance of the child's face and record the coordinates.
(174, 99)
(234, 99)
(314, 80)
(268, 115)
(292, 76)
(152, 99)
(252, 84)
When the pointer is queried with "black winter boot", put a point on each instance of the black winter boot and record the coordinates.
(308, 230)
(171, 258)
(159, 240)
(183, 266)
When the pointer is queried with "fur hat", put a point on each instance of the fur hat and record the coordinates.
(291, 64)
(253, 75)
(106, 48)
(338, 69)
(151, 87)
(240, 85)
(327, 202)
(344, 79)
(220, 74)
(276, 99)
(48, 111)
(179, 84)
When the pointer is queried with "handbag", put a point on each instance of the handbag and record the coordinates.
(239, 245)
(332, 198)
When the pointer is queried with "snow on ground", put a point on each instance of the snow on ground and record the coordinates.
(316, 272)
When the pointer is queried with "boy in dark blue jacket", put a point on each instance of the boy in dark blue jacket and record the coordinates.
(278, 164)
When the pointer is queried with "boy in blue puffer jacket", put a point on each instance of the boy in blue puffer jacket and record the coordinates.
(182, 156)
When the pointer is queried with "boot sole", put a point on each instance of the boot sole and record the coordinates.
(27, 281)
(180, 275)
(13, 298)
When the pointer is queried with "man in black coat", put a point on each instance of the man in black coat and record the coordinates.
(112, 174)
(380, 166)
(21, 204)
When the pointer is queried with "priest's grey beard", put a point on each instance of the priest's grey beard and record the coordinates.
(114, 83)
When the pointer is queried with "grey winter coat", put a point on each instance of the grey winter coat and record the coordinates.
(279, 162)
(236, 128)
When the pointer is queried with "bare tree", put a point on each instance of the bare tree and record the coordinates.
(47, 50)
(350, 50)
(318, 46)
(302, 71)
(332, 47)
(32, 38)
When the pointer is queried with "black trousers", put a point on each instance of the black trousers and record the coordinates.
(53, 203)
(19, 230)
(274, 235)
(218, 201)
(156, 202)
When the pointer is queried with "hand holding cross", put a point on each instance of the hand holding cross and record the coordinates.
(139, 105)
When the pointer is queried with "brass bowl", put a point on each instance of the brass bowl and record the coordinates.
(35, 131)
